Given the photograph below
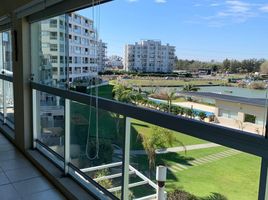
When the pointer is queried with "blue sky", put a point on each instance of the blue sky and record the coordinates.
(200, 29)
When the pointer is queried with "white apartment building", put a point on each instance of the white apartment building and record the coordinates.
(75, 36)
(149, 56)
(101, 55)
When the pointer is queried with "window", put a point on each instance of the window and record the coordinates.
(61, 59)
(250, 118)
(53, 47)
(6, 90)
(54, 59)
(53, 35)
(53, 23)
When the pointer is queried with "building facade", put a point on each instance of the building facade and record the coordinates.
(149, 56)
(75, 36)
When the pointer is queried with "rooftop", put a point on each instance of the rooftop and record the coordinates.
(230, 98)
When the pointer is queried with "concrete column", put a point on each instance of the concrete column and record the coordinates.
(22, 91)
(241, 116)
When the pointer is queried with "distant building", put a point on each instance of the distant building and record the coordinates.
(76, 35)
(114, 62)
(101, 55)
(236, 112)
(204, 71)
(149, 56)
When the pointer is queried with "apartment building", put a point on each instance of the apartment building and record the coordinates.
(73, 35)
(101, 55)
(149, 56)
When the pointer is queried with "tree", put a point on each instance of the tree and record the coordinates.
(122, 93)
(170, 96)
(190, 88)
(264, 68)
(226, 65)
(202, 115)
(157, 139)
(189, 112)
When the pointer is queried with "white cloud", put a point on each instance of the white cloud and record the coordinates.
(214, 4)
(264, 8)
(132, 1)
(160, 1)
(227, 12)
(197, 5)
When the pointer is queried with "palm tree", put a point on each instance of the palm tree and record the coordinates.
(190, 88)
(122, 93)
(158, 138)
(170, 97)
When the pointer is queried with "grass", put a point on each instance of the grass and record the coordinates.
(236, 177)
(146, 128)
(163, 82)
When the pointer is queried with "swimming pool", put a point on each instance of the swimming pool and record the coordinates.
(197, 111)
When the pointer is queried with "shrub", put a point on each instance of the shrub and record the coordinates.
(211, 118)
(180, 195)
(257, 85)
(202, 115)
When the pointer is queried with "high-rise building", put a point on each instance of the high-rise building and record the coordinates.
(73, 34)
(101, 55)
(149, 56)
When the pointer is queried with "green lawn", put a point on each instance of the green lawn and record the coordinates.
(146, 128)
(236, 177)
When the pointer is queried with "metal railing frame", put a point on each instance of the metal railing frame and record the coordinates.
(232, 138)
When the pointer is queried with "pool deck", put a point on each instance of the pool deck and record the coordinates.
(197, 106)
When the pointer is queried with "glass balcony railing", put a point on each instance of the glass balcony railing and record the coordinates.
(113, 148)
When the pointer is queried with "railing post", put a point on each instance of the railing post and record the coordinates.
(161, 175)
(67, 137)
(263, 186)
(4, 102)
(36, 116)
(126, 158)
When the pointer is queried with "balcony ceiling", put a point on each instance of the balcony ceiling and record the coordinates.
(8, 6)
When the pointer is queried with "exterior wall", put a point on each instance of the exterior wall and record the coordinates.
(149, 56)
(238, 121)
(71, 35)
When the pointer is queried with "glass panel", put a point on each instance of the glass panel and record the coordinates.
(97, 138)
(6, 53)
(1, 100)
(9, 96)
(202, 80)
(50, 46)
(195, 166)
(51, 123)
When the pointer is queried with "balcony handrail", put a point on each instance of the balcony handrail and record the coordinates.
(237, 139)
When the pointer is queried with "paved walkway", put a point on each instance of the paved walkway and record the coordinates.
(173, 149)
(203, 160)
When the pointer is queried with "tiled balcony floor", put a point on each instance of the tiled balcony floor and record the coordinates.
(19, 179)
